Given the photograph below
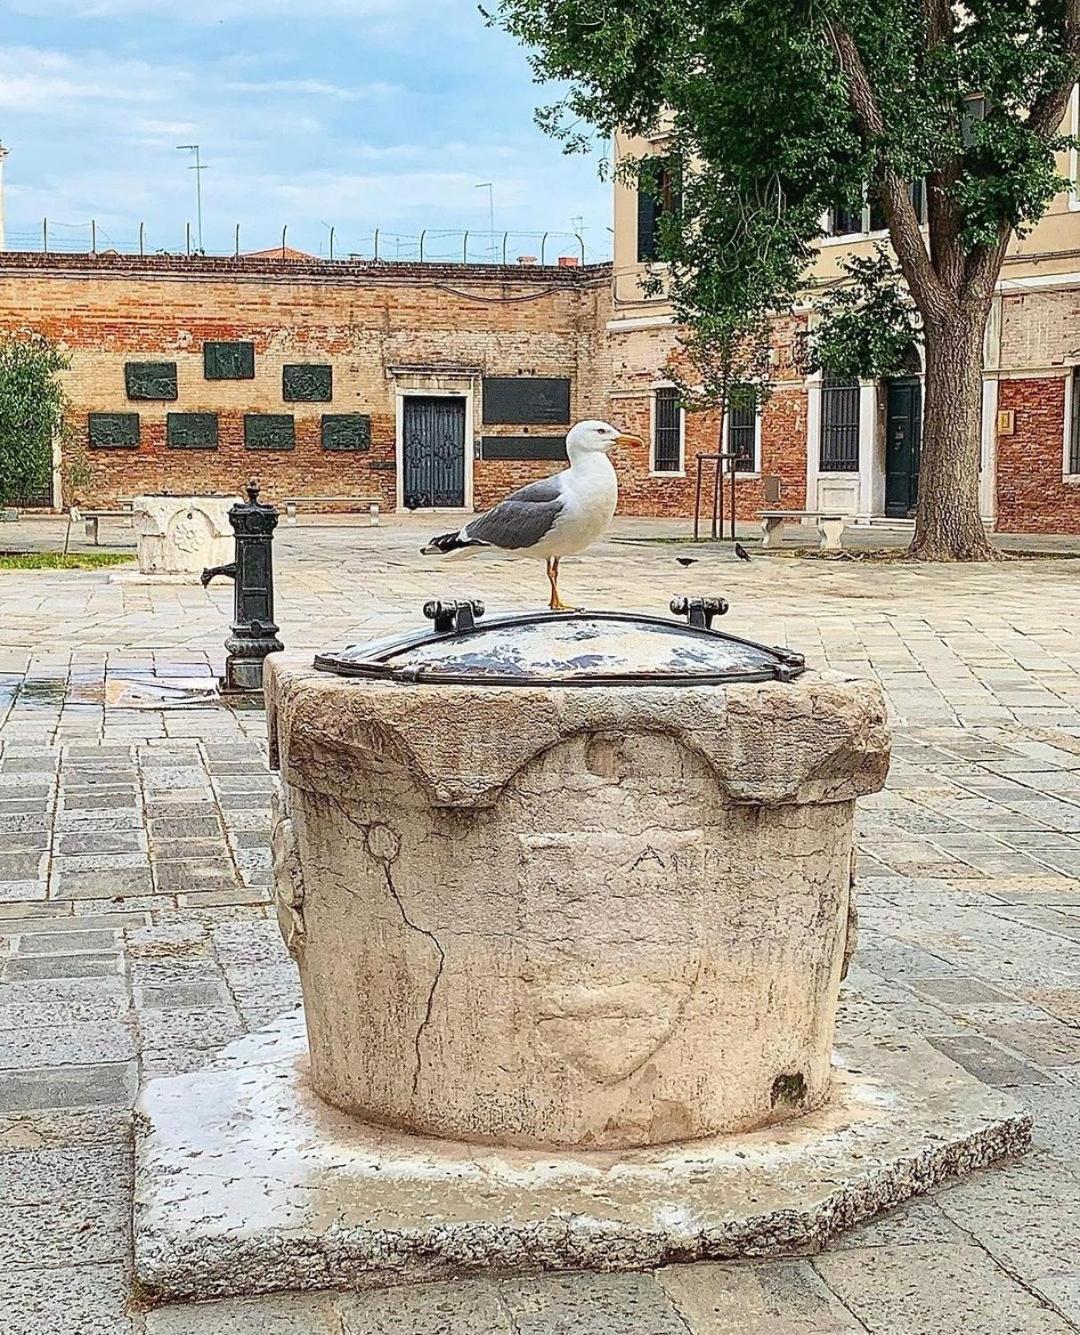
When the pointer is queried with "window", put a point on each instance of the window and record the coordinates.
(667, 431)
(742, 430)
(1074, 422)
(839, 426)
(658, 195)
(844, 221)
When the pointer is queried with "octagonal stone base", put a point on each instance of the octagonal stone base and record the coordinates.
(246, 1183)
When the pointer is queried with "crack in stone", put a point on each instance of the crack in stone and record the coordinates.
(366, 829)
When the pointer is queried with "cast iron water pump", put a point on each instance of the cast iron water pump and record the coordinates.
(254, 631)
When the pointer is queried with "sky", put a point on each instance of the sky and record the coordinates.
(356, 114)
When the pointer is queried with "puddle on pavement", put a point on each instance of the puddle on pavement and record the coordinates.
(135, 689)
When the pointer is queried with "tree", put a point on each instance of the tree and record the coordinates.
(786, 110)
(32, 407)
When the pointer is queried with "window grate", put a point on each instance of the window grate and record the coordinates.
(667, 430)
(839, 426)
(742, 432)
(1074, 423)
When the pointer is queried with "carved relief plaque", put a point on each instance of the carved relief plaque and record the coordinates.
(192, 431)
(269, 431)
(307, 383)
(113, 431)
(229, 361)
(150, 380)
(346, 431)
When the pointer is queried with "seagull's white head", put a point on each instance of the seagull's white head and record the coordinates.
(596, 438)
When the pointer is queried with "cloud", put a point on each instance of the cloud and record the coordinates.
(313, 88)
(392, 13)
(31, 78)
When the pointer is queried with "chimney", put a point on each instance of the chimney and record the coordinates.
(569, 262)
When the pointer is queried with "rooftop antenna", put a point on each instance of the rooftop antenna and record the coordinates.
(198, 168)
(3, 233)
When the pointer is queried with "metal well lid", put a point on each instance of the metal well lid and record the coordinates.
(567, 649)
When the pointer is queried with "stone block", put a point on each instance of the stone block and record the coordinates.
(80, 1299)
(352, 1204)
(782, 1298)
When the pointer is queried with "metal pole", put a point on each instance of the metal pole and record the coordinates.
(376, 243)
(283, 231)
(465, 249)
(716, 497)
(697, 498)
(142, 239)
(331, 243)
(187, 238)
(93, 237)
(45, 235)
(422, 235)
(581, 243)
(734, 461)
(543, 247)
(505, 236)
(237, 240)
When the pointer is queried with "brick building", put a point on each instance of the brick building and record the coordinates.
(416, 385)
(443, 386)
(854, 446)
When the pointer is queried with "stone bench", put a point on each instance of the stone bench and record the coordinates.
(829, 524)
(92, 519)
(372, 502)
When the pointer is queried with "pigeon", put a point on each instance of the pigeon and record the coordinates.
(558, 516)
(685, 561)
(741, 552)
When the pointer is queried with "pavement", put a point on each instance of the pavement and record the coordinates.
(136, 938)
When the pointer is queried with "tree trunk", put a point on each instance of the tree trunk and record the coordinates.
(947, 523)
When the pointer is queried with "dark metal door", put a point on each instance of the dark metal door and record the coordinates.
(903, 446)
(433, 458)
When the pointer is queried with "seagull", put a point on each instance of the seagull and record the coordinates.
(555, 517)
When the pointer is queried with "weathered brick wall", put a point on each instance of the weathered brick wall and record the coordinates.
(1032, 494)
(637, 361)
(362, 319)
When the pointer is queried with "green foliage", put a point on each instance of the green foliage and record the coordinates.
(755, 95)
(717, 365)
(867, 324)
(32, 406)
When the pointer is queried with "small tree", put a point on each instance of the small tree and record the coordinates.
(716, 366)
(32, 408)
(787, 110)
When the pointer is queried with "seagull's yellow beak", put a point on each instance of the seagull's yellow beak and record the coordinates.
(629, 440)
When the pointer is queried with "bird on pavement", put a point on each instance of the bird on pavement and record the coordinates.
(741, 552)
(685, 561)
(555, 517)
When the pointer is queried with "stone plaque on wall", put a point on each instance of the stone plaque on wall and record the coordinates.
(307, 383)
(150, 380)
(346, 431)
(229, 361)
(113, 431)
(517, 400)
(191, 431)
(524, 447)
(269, 431)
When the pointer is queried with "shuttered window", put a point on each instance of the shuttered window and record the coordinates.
(839, 426)
(1074, 423)
(742, 430)
(667, 432)
(658, 195)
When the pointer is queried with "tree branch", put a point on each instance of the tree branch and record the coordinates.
(896, 203)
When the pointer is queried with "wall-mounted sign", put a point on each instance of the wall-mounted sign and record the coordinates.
(521, 400)
(269, 431)
(346, 431)
(229, 361)
(307, 384)
(150, 380)
(1006, 422)
(524, 447)
(191, 431)
(113, 431)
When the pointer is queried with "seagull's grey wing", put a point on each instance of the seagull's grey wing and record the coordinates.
(523, 519)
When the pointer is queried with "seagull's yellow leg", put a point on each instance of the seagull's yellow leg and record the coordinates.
(556, 604)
